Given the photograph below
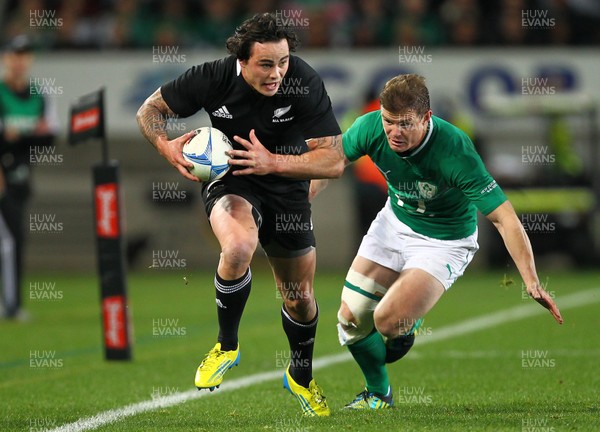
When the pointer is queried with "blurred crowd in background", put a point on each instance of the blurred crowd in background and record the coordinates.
(115, 24)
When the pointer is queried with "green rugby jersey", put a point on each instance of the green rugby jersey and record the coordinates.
(436, 189)
(21, 111)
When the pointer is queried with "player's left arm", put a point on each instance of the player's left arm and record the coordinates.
(518, 245)
(323, 160)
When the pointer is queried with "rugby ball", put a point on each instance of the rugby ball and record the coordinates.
(207, 151)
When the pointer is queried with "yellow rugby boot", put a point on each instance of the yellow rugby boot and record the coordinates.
(210, 372)
(311, 399)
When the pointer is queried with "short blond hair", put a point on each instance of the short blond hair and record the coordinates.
(405, 92)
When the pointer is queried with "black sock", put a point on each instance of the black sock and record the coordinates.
(397, 348)
(301, 337)
(231, 299)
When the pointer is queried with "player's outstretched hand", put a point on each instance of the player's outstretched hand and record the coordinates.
(172, 151)
(256, 158)
(542, 297)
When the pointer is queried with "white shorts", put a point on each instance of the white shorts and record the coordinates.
(396, 246)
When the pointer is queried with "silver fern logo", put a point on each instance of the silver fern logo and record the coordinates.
(279, 112)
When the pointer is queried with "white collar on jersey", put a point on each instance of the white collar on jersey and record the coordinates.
(238, 68)
(425, 140)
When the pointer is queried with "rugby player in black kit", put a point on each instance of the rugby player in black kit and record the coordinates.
(276, 111)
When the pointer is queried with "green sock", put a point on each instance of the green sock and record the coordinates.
(369, 353)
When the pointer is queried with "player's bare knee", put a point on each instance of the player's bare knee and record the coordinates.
(385, 324)
(237, 254)
(392, 325)
(387, 329)
(235, 262)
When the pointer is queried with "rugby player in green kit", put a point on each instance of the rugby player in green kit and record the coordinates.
(425, 235)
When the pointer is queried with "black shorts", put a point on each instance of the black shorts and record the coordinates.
(283, 217)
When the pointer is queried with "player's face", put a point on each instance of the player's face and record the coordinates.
(17, 64)
(267, 65)
(404, 131)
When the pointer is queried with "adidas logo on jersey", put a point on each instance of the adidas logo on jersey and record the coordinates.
(222, 112)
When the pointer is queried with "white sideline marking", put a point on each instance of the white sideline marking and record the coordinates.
(468, 326)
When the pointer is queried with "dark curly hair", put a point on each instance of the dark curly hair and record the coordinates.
(260, 28)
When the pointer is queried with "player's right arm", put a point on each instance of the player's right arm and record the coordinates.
(152, 120)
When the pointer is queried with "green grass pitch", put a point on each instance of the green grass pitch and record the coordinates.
(526, 374)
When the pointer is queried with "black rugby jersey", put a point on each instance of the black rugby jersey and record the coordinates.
(300, 110)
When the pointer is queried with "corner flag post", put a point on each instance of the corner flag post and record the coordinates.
(88, 122)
